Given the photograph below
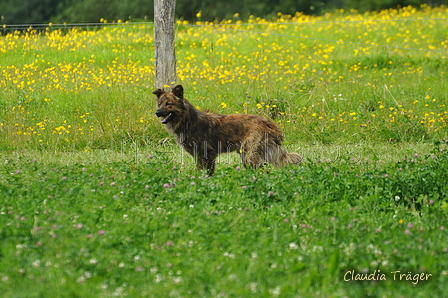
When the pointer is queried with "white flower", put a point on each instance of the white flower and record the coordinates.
(36, 263)
(253, 287)
(275, 291)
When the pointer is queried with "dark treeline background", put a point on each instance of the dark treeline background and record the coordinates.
(80, 11)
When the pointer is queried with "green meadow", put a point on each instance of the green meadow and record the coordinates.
(96, 199)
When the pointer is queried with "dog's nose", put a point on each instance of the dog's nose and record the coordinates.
(157, 113)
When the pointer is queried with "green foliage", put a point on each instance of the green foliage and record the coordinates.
(375, 5)
(29, 11)
(94, 10)
(81, 11)
(218, 10)
(159, 230)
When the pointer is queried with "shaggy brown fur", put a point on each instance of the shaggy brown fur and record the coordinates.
(205, 135)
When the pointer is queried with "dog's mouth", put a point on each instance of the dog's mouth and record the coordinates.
(167, 118)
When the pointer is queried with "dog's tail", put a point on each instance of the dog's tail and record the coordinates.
(279, 157)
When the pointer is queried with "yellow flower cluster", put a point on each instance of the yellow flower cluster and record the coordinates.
(337, 71)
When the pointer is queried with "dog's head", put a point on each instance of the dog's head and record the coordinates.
(170, 105)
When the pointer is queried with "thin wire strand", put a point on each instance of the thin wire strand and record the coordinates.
(68, 26)
(231, 27)
(76, 25)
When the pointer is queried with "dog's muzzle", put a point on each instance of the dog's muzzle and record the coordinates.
(165, 117)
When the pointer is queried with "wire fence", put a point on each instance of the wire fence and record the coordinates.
(237, 28)
(44, 26)
(50, 26)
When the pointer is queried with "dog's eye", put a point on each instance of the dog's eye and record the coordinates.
(169, 104)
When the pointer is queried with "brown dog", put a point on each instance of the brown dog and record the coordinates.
(205, 135)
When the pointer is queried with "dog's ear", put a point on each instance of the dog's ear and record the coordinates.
(158, 92)
(178, 91)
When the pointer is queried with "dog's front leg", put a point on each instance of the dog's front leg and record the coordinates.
(199, 165)
(207, 163)
(211, 164)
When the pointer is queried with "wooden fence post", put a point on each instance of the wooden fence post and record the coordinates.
(165, 54)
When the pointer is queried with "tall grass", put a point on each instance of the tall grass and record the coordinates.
(337, 78)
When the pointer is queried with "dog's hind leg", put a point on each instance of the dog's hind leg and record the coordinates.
(251, 155)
